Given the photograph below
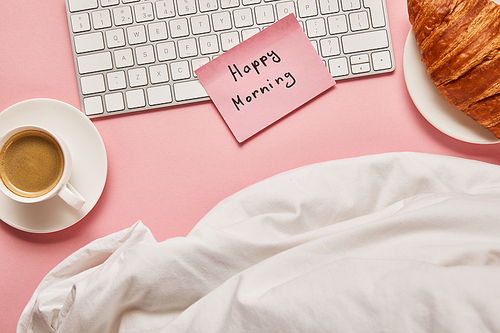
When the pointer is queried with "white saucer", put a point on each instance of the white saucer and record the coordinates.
(90, 164)
(433, 106)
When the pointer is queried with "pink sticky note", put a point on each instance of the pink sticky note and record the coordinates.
(264, 78)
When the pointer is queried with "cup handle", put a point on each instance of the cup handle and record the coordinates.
(71, 196)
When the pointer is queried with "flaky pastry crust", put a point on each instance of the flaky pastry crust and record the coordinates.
(459, 43)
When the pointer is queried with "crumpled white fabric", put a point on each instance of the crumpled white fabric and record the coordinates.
(398, 242)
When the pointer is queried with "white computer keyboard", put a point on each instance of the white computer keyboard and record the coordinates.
(135, 55)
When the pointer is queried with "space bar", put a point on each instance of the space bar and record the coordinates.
(189, 90)
(365, 41)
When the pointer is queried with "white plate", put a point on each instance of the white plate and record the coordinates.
(90, 165)
(433, 106)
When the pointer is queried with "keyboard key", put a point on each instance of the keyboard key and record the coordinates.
(159, 95)
(179, 27)
(285, 8)
(122, 15)
(264, 14)
(135, 98)
(186, 7)
(225, 4)
(77, 5)
(359, 21)
(145, 54)
(337, 24)
(89, 42)
(338, 67)
(158, 74)
(116, 80)
(92, 105)
(105, 3)
(207, 5)
(198, 62)
(123, 58)
(330, 47)
(381, 60)
(316, 27)
(250, 2)
(115, 38)
(157, 31)
(328, 6)
(350, 4)
(144, 12)
(229, 40)
(80, 22)
(189, 90)
(136, 34)
(221, 21)
(243, 17)
(165, 9)
(377, 12)
(365, 41)
(209, 44)
(307, 8)
(187, 48)
(166, 51)
(101, 19)
(315, 45)
(94, 62)
(92, 84)
(180, 70)
(360, 68)
(359, 58)
(114, 102)
(137, 77)
(247, 33)
(200, 24)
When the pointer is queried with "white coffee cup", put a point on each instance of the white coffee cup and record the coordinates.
(35, 165)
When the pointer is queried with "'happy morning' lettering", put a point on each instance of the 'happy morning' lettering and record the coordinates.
(256, 66)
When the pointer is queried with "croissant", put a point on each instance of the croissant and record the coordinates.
(459, 43)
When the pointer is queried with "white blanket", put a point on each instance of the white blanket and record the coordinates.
(399, 242)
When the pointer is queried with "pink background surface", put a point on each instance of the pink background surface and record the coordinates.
(168, 168)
